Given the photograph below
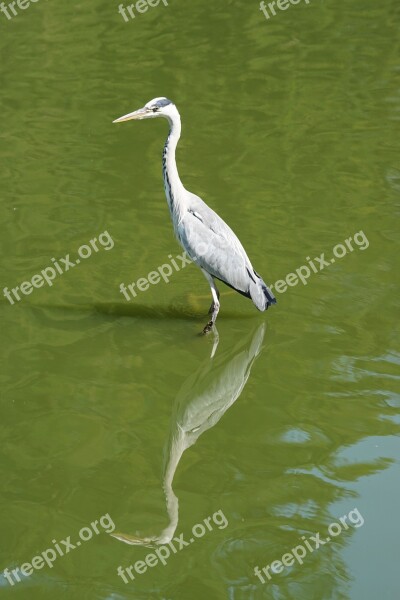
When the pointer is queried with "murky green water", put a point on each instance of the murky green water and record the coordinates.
(114, 407)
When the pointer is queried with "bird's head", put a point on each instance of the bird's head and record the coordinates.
(158, 107)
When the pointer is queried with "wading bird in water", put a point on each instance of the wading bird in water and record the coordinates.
(206, 238)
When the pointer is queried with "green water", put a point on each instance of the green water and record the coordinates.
(115, 407)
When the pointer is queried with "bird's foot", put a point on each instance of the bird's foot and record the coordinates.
(208, 328)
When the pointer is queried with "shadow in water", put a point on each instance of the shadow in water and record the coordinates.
(202, 401)
(185, 310)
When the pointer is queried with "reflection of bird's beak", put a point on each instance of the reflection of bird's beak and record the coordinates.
(137, 114)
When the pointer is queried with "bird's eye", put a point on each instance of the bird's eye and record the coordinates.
(155, 109)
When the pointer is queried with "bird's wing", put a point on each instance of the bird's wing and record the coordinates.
(212, 245)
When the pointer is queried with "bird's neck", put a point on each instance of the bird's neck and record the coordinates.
(174, 189)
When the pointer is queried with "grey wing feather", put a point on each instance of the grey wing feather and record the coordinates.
(212, 244)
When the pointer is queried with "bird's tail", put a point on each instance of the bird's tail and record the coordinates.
(260, 293)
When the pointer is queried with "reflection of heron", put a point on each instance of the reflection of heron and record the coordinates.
(207, 239)
(203, 399)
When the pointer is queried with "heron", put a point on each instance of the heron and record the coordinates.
(208, 241)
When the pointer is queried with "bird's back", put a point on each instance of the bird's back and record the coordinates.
(212, 244)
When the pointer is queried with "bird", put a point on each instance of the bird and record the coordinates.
(208, 241)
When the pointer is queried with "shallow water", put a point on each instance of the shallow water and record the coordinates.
(115, 407)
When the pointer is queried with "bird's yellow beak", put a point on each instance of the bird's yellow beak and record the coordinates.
(142, 113)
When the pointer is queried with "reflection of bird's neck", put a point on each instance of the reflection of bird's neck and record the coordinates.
(173, 186)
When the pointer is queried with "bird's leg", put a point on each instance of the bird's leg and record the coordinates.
(214, 315)
(215, 305)
(211, 310)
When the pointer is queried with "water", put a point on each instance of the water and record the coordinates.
(115, 407)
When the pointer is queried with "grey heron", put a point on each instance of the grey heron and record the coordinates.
(207, 239)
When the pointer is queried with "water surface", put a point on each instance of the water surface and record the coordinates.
(290, 132)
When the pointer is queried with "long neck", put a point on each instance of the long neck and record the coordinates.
(173, 186)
